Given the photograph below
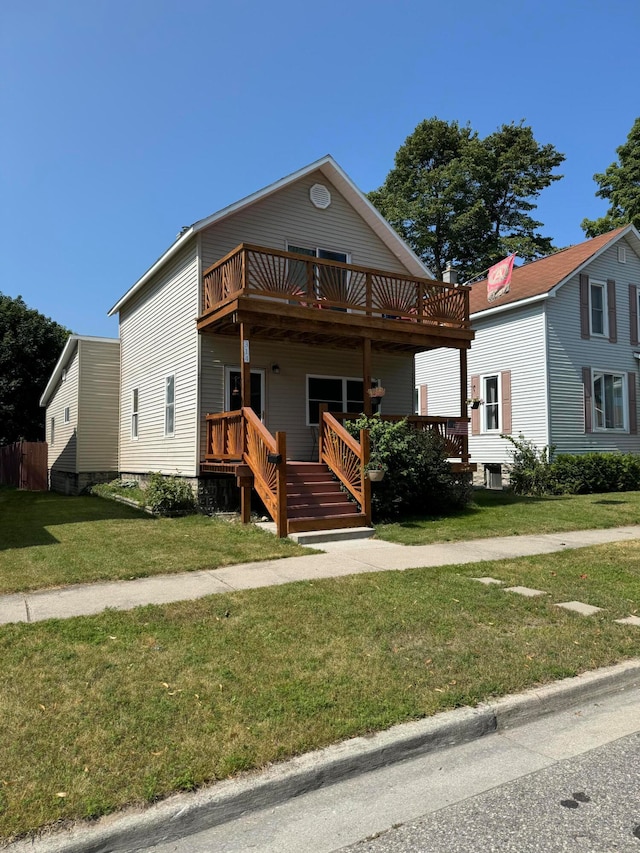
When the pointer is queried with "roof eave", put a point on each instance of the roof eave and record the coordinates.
(328, 166)
(65, 358)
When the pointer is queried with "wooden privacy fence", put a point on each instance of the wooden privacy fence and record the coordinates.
(23, 465)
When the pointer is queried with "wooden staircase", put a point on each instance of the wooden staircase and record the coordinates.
(316, 500)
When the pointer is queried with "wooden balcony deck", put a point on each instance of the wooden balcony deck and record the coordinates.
(286, 296)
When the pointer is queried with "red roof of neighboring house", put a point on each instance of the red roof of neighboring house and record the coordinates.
(538, 277)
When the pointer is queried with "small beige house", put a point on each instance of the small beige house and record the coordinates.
(81, 400)
(295, 300)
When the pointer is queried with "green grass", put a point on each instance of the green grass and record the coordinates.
(50, 540)
(104, 711)
(501, 513)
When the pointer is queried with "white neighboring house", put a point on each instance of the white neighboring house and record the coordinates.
(555, 359)
(82, 409)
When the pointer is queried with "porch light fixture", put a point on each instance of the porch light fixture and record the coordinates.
(275, 368)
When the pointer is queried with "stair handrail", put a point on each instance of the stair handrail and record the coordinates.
(346, 457)
(266, 456)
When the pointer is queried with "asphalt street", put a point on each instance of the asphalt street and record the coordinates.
(567, 782)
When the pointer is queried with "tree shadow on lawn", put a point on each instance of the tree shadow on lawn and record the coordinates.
(25, 516)
(483, 499)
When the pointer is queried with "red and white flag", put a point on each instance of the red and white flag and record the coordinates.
(499, 278)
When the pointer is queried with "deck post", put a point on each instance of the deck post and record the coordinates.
(245, 366)
(366, 375)
(463, 404)
(322, 408)
(282, 526)
(365, 444)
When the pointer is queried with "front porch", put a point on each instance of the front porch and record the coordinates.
(266, 298)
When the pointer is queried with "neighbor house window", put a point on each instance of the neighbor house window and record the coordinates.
(52, 430)
(341, 394)
(598, 308)
(491, 408)
(169, 405)
(134, 413)
(67, 414)
(609, 400)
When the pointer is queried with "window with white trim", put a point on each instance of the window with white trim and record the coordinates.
(491, 414)
(340, 393)
(638, 312)
(169, 404)
(598, 320)
(67, 414)
(52, 431)
(609, 401)
(134, 413)
(329, 282)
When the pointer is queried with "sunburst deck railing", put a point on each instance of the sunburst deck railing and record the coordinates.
(241, 437)
(347, 458)
(322, 284)
(454, 432)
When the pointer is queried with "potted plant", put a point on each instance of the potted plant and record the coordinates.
(376, 392)
(375, 471)
(474, 402)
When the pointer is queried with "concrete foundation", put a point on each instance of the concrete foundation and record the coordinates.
(69, 483)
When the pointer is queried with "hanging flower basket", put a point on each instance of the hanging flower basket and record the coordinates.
(378, 391)
(474, 402)
(375, 474)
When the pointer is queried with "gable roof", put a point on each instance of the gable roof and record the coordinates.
(341, 181)
(65, 357)
(537, 279)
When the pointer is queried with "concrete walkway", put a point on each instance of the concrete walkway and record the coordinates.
(337, 559)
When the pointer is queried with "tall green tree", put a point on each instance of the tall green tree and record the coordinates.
(620, 186)
(30, 345)
(457, 198)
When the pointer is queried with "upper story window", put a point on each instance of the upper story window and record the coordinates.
(328, 282)
(492, 403)
(67, 414)
(169, 404)
(598, 308)
(52, 430)
(134, 413)
(609, 400)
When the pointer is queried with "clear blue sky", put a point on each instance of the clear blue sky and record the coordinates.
(123, 120)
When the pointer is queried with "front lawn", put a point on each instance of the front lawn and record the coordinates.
(51, 540)
(103, 711)
(501, 513)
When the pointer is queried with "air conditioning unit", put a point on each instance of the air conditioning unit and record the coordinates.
(493, 476)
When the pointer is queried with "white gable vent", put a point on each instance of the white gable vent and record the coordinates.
(320, 196)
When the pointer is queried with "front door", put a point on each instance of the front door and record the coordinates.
(233, 395)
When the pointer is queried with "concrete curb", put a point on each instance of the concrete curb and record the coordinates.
(184, 814)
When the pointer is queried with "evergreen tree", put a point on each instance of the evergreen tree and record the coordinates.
(620, 185)
(30, 345)
(460, 199)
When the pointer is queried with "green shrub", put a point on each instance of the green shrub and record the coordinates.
(169, 495)
(533, 472)
(530, 469)
(418, 477)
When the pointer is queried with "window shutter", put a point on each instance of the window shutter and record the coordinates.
(611, 305)
(633, 314)
(588, 411)
(506, 401)
(475, 413)
(633, 405)
(423, 399)
(584, 306)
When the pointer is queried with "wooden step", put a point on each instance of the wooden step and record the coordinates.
(297, 525)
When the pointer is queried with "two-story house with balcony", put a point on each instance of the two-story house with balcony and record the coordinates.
(555, 358)
(264, 326)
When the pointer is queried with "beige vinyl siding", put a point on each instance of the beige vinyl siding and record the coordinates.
(62, 452)
(98, 404)
(158, 337)
(288, 216)
(569, 353)
(286, 392)
(513, 341)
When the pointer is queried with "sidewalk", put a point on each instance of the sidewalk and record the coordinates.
(337, 559)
